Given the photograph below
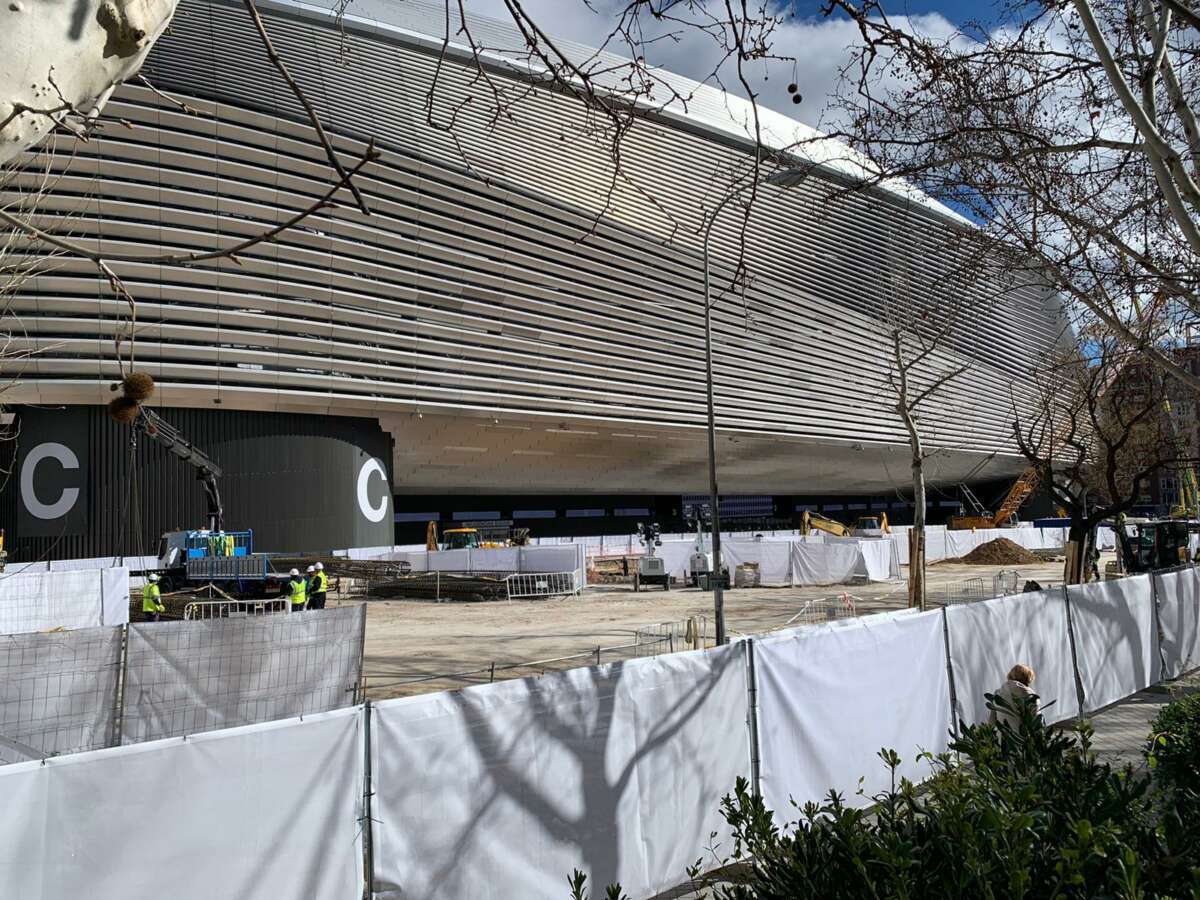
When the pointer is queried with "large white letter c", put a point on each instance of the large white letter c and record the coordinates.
(373, 513)
(66, 500)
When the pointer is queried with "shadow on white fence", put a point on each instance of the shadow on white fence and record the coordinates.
(500, 790)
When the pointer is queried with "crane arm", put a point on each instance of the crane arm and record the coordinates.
(155, 427)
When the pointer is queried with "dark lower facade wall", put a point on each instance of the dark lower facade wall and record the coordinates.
(300, 482)
(580, 515)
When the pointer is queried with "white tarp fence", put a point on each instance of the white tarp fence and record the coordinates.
(269, 810)
(1113, 624)
(133, 563)
(989, 638)
(794, 561)
(57, 693)
(1178, 595)
(830, 698)
(552, 558)
(500, 791)
(85, 598)
(185, 677)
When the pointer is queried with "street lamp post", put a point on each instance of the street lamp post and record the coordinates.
(786, 178)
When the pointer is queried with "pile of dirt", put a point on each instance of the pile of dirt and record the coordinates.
(1000, 552)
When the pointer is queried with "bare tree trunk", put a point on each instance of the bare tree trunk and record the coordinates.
(1075, 569)
(916, 537)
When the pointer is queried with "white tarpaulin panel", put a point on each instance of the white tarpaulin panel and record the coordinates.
(1179, 618)
(39, 601)
(988, 638)
(773, 559)
(186, 677)
(58, 692)
(830, 698)
(268, 811)
(500, 791)
(832, 562)
(878, 560)
(1113, 623)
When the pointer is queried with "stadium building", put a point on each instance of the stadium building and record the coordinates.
(512, 332)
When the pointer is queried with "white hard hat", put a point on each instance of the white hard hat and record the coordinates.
(294, 572)
(311, 569)
(153, 578)
(320, 567)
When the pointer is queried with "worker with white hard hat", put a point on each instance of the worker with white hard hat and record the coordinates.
(152, 605)
(318, 584)
(297, 590)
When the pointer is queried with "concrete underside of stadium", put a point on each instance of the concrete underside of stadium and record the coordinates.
(502, 454)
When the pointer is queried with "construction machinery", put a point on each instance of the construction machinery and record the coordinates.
(1152, 544)
(872, 526)
(476, 536)
(1006, 516)
(209, 554)
(811, 520)
(651, 568)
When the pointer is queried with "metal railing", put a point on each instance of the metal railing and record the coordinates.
(969, 590)
(1005, 583)
(825, 609)
(683, 634)
(200, 610)
(534, 585)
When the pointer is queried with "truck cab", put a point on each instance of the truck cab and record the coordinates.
(461, 539)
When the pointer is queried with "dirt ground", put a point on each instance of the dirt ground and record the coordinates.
(411, 646)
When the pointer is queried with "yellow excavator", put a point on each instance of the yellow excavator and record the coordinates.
(865, 525)
(1022, 489)
(470, 538)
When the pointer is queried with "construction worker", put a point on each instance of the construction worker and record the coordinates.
(317, 586)
(296, 590)
(152, 605)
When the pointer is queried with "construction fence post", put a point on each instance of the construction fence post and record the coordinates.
(368, 791)
(752, 719)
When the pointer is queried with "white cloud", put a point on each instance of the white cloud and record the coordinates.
(819, 48)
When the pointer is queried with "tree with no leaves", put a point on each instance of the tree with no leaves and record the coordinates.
(1098, 436)
(1070, 133)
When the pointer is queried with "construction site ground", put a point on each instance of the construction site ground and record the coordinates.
(413, 645)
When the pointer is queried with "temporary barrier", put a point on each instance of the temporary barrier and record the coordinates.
(227, 609)
(542, 584)
(86, 598)
(271, 810)
(1178, 598)
(553, 558)
(186, 677)
(988, 638)
(58, 693)
(1113, 623)
(500, 791)
(830, 697)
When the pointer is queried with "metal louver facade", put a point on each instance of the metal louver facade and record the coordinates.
(516, 319)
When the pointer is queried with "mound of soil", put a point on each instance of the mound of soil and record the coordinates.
(1000, 552)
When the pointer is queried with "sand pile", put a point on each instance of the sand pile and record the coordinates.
(1000, 552)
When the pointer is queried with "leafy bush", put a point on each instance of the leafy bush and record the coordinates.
(1174, 746)
(1026, 812)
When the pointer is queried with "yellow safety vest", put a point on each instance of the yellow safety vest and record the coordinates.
(150, 599)
(299, 596)
(320, 582)
(229, 545)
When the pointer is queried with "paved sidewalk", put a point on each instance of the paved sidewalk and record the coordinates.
(1121, 729)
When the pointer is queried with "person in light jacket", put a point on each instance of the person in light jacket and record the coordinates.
(1017, 690)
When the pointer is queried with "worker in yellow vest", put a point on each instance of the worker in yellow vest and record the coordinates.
(318, 584)
(152, 605)
(296, 590)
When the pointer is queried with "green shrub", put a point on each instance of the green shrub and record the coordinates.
(1173, 751)
(1024, 813)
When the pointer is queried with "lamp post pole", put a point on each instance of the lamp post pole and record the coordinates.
(786, 178)
(713, 494)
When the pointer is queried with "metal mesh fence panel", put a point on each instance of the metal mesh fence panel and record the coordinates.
(186, 677)
(44, 600)
(58, 692)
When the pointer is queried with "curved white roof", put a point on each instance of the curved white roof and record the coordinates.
(703, 106)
